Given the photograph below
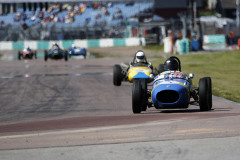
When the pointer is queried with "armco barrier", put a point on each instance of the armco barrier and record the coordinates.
(41, 45)
(214, 42)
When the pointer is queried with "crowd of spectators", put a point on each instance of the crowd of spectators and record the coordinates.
(66, 13)
(78, 14)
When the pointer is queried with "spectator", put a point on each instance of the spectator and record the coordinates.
(2, 24)
(24, 26)
(105, 11)
(117, 14)
(40, 15)
(230, 38)
(17, 17)
(95, 5)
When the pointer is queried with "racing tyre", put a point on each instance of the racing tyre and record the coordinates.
(45, 55)
(161, 68)
(205, 94)
(136, 96)
(144, 97)
(19, 55)
(35, 55)
(66, 56)
(209, 81)
(117, 75)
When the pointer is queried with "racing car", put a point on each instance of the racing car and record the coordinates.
(27, 53)
(137, 74)
(55, 53)
(139, 68)
(77, 51)
(125, 73)
(172, 89)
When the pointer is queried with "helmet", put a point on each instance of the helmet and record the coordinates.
(54, 43)
(140, 56)
(73, 46)
(171, 64)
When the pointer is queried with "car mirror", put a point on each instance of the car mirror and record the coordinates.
(191, 75)
(151, 76)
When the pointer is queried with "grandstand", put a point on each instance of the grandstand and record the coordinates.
(73, 19)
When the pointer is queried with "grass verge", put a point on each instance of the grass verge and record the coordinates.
(222, 67)
(154, 47)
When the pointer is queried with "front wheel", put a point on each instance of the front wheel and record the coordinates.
(66, 56)
(137, 97)
(144, 97)
(117, 75)
(205, 94)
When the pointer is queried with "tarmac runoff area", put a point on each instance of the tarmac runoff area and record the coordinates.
(51, 114)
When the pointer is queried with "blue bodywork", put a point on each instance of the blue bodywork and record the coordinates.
(77, 51)
(171, 90)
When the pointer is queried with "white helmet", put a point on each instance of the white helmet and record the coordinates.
(140, 56)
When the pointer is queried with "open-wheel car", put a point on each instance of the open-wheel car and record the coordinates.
(172, 89)
(27, 53)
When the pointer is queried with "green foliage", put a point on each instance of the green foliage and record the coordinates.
(223, 68)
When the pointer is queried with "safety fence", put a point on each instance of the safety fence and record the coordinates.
(92, 43)
(214, 42)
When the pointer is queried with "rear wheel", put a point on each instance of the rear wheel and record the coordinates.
(35, 54)
(19, 55)
(136, 97)
(205, 94)
(117, 75)
(45, 55)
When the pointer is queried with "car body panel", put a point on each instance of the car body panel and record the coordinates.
(56, 54)
(171, 90)
(77, 51)
(139, 72)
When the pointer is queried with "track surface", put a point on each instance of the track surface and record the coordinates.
(74, 103)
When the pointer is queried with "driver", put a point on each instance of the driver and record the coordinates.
(55, 46)
(74, 46)
(171, 64)
(29, 49)
(171, 67)
(140, 58)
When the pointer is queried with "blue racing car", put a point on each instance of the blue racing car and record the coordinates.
(173, 89)
(77, 51)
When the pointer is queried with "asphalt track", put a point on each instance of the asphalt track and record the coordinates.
(71, 110)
